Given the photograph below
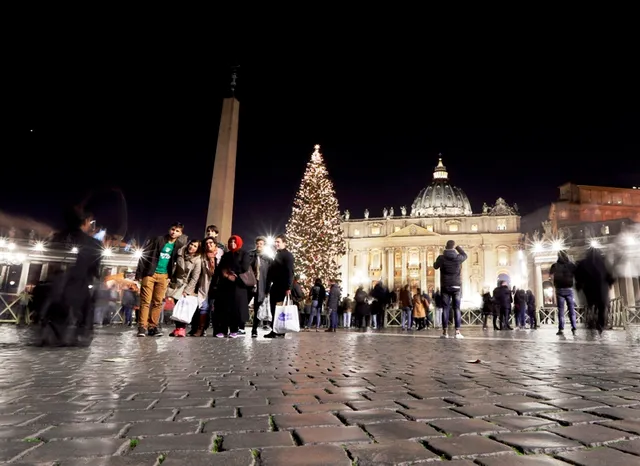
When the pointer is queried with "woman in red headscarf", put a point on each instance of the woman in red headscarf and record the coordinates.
(231, 306)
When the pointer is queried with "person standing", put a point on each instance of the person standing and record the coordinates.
(594, 278)
(531, 310)
(406, 306)
(260, 264)
(450, 265)
(503, 299)
(231, 295)
(279, 279)
(155, 270)
(333, 302)
(563, 272)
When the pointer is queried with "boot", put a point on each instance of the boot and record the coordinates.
(495, 322)
(201, 323)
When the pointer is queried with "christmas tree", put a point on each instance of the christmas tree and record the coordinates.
(314, 232)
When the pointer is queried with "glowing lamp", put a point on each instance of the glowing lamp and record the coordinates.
(538, 246)
(137, 253)
(270, 241)
(595, 244)
(11, 246)
(74, 250)
(557, 245)
(107, 252)
(39, 246)
(3, 243)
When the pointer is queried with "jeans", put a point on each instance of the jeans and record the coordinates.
(316, 311)
(346, 320)
(333, 319)
(406, 317)
(374, 321)
(565, 295)
(437, 317)
(127, 311)
(521, 316)
(451, 301)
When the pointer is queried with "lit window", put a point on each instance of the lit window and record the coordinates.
(503, 257)
(605, 229)
(502, 225)
(430, 228)
(430, 258)
(453, 227)
(414, 259)
(356, 232)
(474, 227)
(375, 230)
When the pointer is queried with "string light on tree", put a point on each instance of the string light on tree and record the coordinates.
(314, 232)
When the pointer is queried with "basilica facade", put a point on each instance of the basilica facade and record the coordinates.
(399, 248)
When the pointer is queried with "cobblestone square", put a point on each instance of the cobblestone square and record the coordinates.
(346, 398)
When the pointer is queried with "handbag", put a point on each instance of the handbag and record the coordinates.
(184, 309)
(287, 320)
(248, 278)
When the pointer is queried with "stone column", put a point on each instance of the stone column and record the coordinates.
(391, 266)
(538, 289)
(24, 276)
(44, 272)
(629, 295)
(364, 267)
(220, 210)
(423, 269)
(436, 275)
(466, 283)
(404, 267)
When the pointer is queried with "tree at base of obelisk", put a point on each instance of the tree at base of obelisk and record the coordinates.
(313, 230)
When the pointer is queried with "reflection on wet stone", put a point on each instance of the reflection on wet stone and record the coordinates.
(318, 399)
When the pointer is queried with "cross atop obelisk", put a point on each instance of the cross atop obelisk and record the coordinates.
(220, 212)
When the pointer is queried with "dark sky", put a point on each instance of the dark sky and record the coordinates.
(147, 123)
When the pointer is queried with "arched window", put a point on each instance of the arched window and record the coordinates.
(503, 256)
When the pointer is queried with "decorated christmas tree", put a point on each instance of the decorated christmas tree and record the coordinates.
(314, 232)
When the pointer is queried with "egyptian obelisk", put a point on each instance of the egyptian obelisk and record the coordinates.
(220, 211)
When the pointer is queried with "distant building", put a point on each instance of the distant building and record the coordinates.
(581, 218)
(400, 247)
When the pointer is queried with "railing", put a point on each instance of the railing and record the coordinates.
(10, 308)
(619, 316)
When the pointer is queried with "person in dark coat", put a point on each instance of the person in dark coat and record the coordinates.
(362, 310)
(318, 294)
(231, 305)
(503, 299)
(279, 279)
(563, 272)
(520, 299)
(380, 295)
(333, 301)
(488, 309)
(260, 263)
(450, 265)
(66, 313)
(594, 278)
(531, 310)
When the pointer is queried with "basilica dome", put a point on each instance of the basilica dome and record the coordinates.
(441, 199)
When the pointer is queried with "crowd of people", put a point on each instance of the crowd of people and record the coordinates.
(222, 280)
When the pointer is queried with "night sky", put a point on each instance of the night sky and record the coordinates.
(146, 124)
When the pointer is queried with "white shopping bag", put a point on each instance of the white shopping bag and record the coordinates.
(184, 309)
(286, 317)
(264, 312)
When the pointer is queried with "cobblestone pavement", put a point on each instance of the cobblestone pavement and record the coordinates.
(493, 399)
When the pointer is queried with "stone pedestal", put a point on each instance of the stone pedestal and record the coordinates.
(220, 212)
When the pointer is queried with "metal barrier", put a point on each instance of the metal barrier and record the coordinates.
(10, 308)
